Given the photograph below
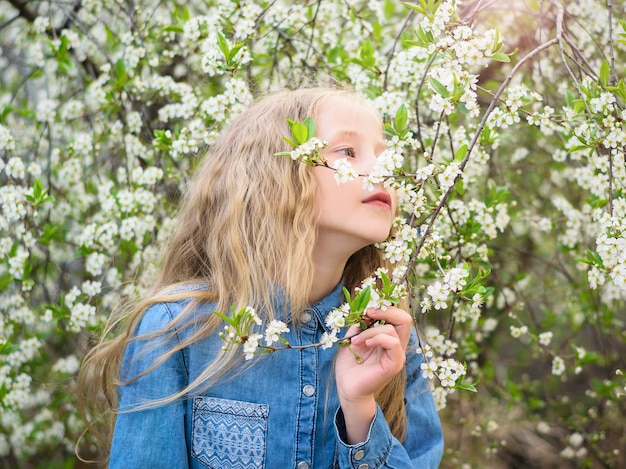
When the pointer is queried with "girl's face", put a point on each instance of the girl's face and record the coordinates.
(349, 216)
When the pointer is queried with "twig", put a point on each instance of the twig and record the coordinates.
(408, 18)
(431, 60)
(609, 5)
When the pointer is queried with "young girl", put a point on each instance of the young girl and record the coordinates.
(283, 237)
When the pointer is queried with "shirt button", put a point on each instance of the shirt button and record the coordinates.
(306, 317)
(308, 390)
(305, 465)
(359, 455)
(364, 466)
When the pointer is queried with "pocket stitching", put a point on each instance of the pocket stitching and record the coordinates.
(244, 416)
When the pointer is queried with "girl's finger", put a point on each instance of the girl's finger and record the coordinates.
(360, 337)
(393, 349)
(396, 317)
(391, 315)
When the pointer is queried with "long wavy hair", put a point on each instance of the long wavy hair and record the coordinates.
(246, 224)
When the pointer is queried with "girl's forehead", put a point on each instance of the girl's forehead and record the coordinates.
(347, 105)
(345, 99)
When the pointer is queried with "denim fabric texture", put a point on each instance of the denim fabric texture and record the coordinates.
(280, 412)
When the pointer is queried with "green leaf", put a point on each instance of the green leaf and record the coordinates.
(385, 279)
(346, 294)
(226, 319)
(174, 29)
(120, 70)
(310, 125)
(570, 98)
(49, 233)
(414, 7)
(233, 52)
(366, 53)
(5, 280)
(501, 57)
(460, 153)
(439, 87)
(605, 73)
(401, 118)
(466, 386)
(459, 186)
(361, 300)
(223, 45)
(300, 132)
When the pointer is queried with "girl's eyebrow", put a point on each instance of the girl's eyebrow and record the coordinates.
(356, 133)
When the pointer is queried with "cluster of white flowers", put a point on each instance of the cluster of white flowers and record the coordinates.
(464, 311)
(309, 151)
(449, 176)
(611, 248)
(558, 366)
(7, 142)
(46, 110)
(185, 109)
(67, 365)
(575, 448)
(251, 345)
(274, 330)
(29, 349)
(336, 319)
(545, 338)
(344, 172)
(81, 313)
(574, 221)
(517, 332)
(455, 278)
(461, 48)
(231, 102)
(13, 203)
(447, 370)
(213, 60)
(387, 164)
(439, 343)
(399, 247)
(15, 168)
(438, 293)
(516, 97)
(148, 176)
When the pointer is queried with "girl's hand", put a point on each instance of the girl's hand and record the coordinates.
(381, 353)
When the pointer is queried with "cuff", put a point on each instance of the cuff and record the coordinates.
(369, 454)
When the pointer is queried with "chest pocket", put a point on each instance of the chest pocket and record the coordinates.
(229, 434)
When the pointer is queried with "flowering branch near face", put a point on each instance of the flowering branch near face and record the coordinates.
(240, 325)
(239, 328)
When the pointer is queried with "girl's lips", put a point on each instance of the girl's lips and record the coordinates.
(381, 199)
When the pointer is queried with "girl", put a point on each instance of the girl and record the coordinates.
(283, 237)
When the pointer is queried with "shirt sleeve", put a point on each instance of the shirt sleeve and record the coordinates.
(423, 446)
(153, 437)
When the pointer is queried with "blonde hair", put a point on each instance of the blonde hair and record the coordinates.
(247, 223)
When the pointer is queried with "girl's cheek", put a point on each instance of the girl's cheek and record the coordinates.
(394, 201)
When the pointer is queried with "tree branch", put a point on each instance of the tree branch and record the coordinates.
(479, 129)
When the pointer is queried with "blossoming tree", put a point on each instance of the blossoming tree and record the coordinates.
(506, 147)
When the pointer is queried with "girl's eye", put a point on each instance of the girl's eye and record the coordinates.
(348, 151)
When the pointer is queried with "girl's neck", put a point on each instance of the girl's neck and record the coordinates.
(323, 284)
(329, 265)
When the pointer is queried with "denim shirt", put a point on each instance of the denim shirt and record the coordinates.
(280, 412)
